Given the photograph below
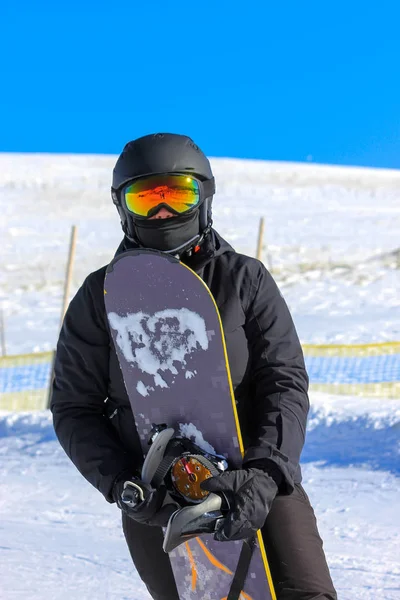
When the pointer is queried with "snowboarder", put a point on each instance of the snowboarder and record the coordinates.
(163, 188)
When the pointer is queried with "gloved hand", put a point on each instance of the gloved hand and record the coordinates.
(250, 493)
(142, 502)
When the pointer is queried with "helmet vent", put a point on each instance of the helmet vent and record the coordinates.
(193, 145)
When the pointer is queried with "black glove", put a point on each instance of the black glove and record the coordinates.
(143, 503)
(249, 493)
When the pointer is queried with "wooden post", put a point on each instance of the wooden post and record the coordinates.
(260, 239)
(2, 333)
(68, 274)
(67, 287)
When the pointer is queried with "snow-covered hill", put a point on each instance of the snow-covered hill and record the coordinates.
(333, 238)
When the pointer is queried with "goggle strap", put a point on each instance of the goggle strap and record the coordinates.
(208, 187)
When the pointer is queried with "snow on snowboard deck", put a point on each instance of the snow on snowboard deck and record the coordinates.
(168, 337)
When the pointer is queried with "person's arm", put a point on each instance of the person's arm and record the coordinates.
(279, 402)
(81, 387)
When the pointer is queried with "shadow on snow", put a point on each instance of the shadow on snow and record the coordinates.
(332, 442)
(354, 442)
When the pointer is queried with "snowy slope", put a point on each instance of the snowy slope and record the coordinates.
(333, 237)
(61, 540)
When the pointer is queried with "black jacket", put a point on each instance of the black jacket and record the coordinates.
(91, 411)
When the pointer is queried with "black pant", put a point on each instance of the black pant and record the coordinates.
(294, 549)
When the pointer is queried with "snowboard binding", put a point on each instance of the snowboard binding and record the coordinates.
(181, 465)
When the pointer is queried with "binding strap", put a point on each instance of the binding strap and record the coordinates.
(242, 569)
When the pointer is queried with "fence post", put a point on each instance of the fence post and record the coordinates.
(260, 239)
(67, 287)
(68, 274)
(2, 334)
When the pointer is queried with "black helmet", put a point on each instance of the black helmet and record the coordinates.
(157, 154)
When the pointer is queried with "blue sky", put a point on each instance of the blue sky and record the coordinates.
(297, 81)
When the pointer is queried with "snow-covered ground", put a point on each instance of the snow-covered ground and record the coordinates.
(61, 540)
(332, 239)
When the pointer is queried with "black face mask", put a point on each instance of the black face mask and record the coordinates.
(173, 233)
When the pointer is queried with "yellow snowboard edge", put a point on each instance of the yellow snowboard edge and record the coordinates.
(259, 535)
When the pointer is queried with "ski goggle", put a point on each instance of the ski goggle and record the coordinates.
(179, 193)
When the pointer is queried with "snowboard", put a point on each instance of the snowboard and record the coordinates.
(168, 336)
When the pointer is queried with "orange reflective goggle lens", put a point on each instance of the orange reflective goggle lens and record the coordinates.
(180, 193)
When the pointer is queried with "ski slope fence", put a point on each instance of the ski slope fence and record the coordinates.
(362, 370)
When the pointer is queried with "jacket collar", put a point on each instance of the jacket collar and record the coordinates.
(213, 245)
